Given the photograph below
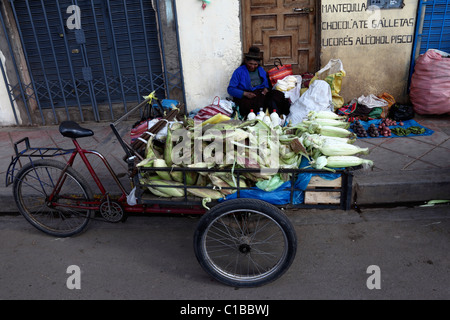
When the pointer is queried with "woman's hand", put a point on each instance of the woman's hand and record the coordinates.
(265, 91)
(249, 95)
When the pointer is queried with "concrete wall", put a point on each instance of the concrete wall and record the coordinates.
(211, 48)
(6, 113)
(375, 46)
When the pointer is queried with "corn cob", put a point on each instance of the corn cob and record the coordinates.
(170, 190)
(176, 175)
(191, 177)
(159, 193)
(218, 182)
(205, 193)
(347, 161)
(324, 115)
(341, 149)
(201, 165)
(334, 132)
(328, 122)
(231, 180)
(160, 163)
(201, 180)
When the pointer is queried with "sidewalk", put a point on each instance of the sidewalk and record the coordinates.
(407, 169)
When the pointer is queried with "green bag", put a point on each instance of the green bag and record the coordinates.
(375, 113)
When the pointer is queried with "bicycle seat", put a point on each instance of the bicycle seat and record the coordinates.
(71, 129)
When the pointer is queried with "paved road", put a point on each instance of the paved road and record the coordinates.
(151, 257)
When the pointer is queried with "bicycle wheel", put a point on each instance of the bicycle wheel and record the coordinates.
(245, 242)
(36, 182)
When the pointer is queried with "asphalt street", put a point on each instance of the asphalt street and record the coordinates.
(152, 258)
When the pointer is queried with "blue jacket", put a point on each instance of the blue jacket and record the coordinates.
(240, 81)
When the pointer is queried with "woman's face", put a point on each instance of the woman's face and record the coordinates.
(251, 65)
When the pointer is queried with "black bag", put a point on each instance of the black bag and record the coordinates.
(399, 112)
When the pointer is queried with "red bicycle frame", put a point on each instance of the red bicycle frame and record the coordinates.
(95, 205)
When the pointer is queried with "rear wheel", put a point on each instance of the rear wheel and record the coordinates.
(60, 217)
(245, 243)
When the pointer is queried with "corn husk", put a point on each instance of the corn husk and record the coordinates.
(328, 122)
(324, 114)
(167, 187)
(220, 183)
(341, 149)
(160, 163)
(159, 193)
(334, 131)
(205, 193)
(253, 144)
(347, 161)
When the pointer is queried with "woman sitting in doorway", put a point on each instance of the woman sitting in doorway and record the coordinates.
(250, 88)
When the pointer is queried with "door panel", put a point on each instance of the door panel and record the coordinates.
(284, 29)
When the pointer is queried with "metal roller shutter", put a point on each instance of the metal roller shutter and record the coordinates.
(114, 57)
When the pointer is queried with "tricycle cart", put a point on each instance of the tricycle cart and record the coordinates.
(241, 242)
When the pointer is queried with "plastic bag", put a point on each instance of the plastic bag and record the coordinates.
(401, 112)
(271, 184)
(333, 73)
(390, 100)
(131, 198)
(372, 101)
(136, 132)
(317, 98)
(292, 92)
(282, 194)
(430, 85)
(213, 109)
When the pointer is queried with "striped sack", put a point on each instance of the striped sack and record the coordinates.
(211, 110)
(279, 72)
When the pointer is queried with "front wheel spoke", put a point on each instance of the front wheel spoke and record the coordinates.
(222, 234)
(266, 255)
(266, 240)
(229, 230)
(257, 266)
(221, 245)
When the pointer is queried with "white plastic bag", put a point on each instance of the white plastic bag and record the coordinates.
(227, 105)
(372, 101)
(333, 73)
(290, 86)
(161, 135)
(131, 198)
(317, 98)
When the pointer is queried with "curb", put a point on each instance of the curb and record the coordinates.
(369, 188)
(389, 187)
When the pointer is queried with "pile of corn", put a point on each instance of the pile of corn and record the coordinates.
(329, 143)
(323, 139)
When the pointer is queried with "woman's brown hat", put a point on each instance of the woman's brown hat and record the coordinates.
(254, 53)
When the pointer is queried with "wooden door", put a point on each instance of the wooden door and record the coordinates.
(284, 29)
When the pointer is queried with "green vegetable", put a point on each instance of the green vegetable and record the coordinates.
(406, 131)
